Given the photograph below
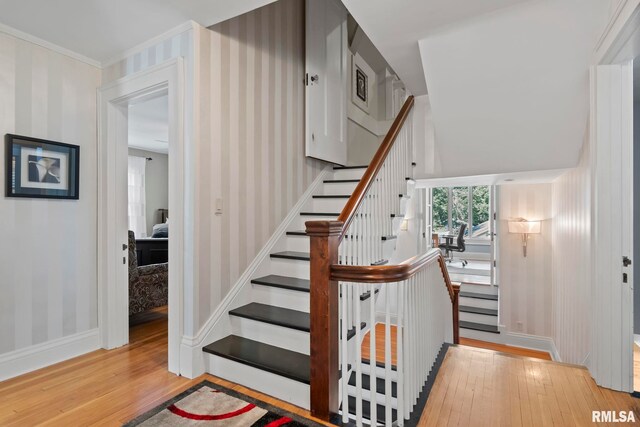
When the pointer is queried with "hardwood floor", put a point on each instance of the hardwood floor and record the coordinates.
(106, 388)
(505, 348)
(475, 387)
(478, 387)
(380, 343)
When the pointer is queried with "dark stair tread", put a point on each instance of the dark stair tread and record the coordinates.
(478, 310)
(393, 215)
(389, 237)
(276, 360)
(279, 316)
(366, 410)
(285, 317)
(478, 295)
(319, 214)
(300, 256)
(331, 196)
(379, 365)
(284, 282)
(336, 181)
(380, 384)
(479, 327)
(381, 262)
(297, 233)
(336, 168)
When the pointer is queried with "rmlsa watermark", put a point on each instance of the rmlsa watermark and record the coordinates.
(613, 417)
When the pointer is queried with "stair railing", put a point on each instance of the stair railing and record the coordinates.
(342, 254)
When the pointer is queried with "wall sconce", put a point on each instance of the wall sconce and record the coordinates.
(525, 228)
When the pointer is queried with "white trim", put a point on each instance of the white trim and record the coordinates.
(532, 342)
(48, 45)
(112, 288)
(191, 347)
(185, 26)
(41, 355)
(617, 33)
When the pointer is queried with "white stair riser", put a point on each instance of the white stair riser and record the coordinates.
(477, 302)
(290, 267)
(327, 205)
(480, 335)
(468, 270)
(348, 173)
(338, 187)
(283, 388)
(479, 289)
(479, 318)
(380, 398)
(278, 336)
(297, 243)
(476, 256)
(286, 298)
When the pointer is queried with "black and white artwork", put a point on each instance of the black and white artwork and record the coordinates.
(361, 85)
(362, 78)
(41, 169)
(44, 169)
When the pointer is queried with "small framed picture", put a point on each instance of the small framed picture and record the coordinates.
(362, 79)
(39, 168)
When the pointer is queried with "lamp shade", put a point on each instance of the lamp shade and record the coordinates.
(524, 227)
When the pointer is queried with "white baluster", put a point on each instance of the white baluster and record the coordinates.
(344, 354)
(358, 361)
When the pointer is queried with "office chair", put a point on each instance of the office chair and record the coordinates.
(458, 247)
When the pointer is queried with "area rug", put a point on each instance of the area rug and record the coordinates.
(213, 405)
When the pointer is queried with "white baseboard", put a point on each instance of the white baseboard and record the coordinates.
(41, 355)
(532, 342)
(191, 347)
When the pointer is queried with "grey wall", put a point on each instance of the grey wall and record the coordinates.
(636, 211)
(156, 185)
(48, 272)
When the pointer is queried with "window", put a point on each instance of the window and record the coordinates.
(454, 206)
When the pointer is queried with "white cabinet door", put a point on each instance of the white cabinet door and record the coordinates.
(327, 79)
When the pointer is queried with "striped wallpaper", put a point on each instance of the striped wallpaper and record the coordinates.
(47, 247)
(525, 283)
(250, 150)
(572, 258)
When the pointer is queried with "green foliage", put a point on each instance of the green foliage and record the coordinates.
(459, 208)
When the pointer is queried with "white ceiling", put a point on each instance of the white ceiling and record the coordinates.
(510, 91)
(395, 27)
(149, 125)
(103, 29)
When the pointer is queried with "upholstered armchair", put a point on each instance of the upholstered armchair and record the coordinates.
(148, 285)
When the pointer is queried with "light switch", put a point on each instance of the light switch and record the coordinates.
(218, 207)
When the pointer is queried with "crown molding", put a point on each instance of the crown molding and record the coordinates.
(186, 26)
(48, 45)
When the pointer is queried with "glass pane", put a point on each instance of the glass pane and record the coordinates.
(480, 206)
(459, 207)
(440, 207)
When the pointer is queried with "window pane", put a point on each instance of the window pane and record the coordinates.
(440, 208)
(480, 206)
(459, 207)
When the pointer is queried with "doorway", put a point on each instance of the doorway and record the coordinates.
(115, 101)
(636, 224)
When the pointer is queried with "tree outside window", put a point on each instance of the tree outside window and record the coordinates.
(452, 206)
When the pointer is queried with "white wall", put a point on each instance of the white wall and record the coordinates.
(48, 282)
(156, 185)
(525, 283)
(571, 194)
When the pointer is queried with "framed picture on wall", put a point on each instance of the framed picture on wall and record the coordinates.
(38, 168)
(362, 77)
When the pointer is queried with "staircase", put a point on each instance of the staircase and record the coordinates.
(478, 298)
(267, 346)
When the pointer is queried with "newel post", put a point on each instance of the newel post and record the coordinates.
(324, 361)
(456, 313)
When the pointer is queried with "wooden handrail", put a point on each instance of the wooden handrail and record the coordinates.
(350, 209)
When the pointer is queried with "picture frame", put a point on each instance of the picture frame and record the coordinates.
(362, 77)
(39, 168)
